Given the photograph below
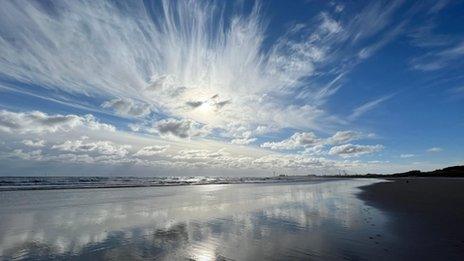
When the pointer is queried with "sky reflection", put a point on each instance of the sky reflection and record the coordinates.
(321, 220)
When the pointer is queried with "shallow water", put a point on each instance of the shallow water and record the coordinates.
(311, 220)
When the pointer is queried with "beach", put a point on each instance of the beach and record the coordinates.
(231, 130)
(324, 219)
(426, 215)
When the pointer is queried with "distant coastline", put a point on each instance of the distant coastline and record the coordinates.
(449, 172)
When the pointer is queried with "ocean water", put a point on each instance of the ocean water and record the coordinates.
(318, 220)
(40, 183)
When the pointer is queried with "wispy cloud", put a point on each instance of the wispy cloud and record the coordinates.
(361, 110)
(435, 149)
(405, 156)
(186, 53)
(458, 90)
(187, 75)
(425, 37)
(436, 60)
(438, 50)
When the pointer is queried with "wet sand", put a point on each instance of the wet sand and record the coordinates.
(275, 221)
(426, 215)
(318, 220)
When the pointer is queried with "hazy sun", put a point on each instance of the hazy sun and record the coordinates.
(205, 108)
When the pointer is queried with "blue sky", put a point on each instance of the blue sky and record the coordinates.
(230, 88)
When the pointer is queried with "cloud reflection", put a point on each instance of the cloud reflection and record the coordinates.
(208, 222)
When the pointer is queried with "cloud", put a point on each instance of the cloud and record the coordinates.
(454, 52)
(368, 51)
(166, 85)
(329, 25)
(438, 6)
(194, 104)
(457, 90)
(39, 122)
(261, 129)
(223, 159)
(315, 151)
(425, 37)
(361, 110)
(220, 104)
(98, 147)
(213, 102)
(243, 141)
(34, 143)
(212, 72)
(309, 139)
(128, 107)
(178, 128)
(405, 156)
(151, 59)
(117, 152)
(151, 150)
(27, 155)
(297, 140)
(343, 137)
(192, 154)
(435, 149)
(439, 59)
(301, 162)
(373, 19)
(82, 159)
(339, 8)
(240, 135)
(352, 150)
(143, 56)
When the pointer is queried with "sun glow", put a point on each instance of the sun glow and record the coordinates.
(206, 108)
(205, 113)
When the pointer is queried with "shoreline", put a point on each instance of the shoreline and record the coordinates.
(237, 181)
(213, 181)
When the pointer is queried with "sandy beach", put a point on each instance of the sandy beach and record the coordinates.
(426, 214)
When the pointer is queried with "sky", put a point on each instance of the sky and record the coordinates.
(230, 88)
